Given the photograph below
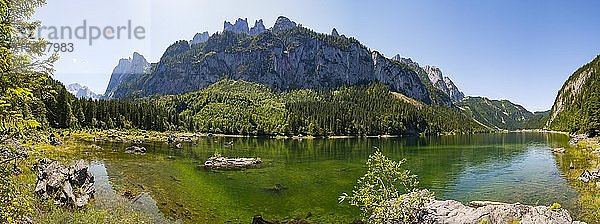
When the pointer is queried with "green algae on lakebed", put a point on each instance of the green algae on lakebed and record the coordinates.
(303, 179)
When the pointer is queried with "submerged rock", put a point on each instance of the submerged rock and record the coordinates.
(225, 163)
(135, 150)
(73, 186)
(259, 220)
(277, 188)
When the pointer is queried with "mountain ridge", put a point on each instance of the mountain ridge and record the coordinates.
(287, 57)
(380, 68)
(294, 59)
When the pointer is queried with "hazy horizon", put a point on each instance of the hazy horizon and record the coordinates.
(519, 51)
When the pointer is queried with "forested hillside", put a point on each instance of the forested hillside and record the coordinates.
(240, 107)
(577, 106)
(501, 114)
(357, 110)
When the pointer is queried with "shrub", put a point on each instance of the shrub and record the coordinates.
(378, 193)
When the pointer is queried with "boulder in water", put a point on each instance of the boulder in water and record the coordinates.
(224, 163)
(135, 150)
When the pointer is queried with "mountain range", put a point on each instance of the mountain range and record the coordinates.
(284, 57)
(288, 56)
(82, 92)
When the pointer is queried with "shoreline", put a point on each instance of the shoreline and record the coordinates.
(581, 155)
(119, 135)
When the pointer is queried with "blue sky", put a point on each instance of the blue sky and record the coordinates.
(522, 51)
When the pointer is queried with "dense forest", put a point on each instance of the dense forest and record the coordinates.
(240, 107)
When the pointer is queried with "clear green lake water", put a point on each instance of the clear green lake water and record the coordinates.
(511, 167)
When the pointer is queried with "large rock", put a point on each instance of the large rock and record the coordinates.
(454, 212)
(224, 163)
(72, 186)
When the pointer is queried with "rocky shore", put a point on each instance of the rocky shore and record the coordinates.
(71, 186)
(477, 212)
(454, 212)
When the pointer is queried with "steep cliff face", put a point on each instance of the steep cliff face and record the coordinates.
(443, 83)
(284, 57)
(399, 78)
(438, 97)
(453, 91)
(127, 70)
(577, 106)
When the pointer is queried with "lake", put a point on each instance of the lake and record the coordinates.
(303, 179)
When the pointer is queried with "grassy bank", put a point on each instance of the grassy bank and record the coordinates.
(583, 159)
(21, 205)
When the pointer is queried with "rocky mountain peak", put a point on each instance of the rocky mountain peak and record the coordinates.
(82, 92)
(434, 73)
(283, 23)
(315, 62)
(443, 83)
(127, 69)
(335, 33)
(240, 26)
(258, 28)
(200, 38)
(138, 60)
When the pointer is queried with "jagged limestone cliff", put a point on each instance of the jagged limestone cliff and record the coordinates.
(284, 57)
